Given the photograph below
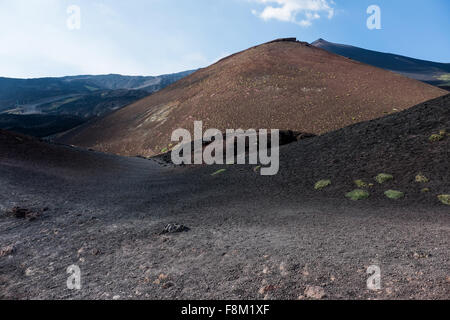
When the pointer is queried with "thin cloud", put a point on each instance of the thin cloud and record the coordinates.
(301, 12)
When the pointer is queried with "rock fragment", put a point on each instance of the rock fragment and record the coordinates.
(175, 228)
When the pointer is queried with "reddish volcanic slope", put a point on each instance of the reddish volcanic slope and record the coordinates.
(287, 85)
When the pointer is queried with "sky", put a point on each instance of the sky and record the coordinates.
(44, 38)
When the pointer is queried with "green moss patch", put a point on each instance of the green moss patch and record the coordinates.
(436, 137)
(394, 194)
(383, 177)
(322, 184)
(361, 184)
(358, 194)
(445, 199)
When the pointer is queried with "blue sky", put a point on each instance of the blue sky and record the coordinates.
(150, 37)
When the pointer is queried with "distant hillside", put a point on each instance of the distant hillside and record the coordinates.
(434, 73)
(117, 81)
(95, 104)
(23, 95)
(76, 97)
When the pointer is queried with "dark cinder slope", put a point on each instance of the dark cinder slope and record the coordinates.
(24, 153)
(251, 237)
(434, 73)
(285, 84)
(397, 144)
(38, 125)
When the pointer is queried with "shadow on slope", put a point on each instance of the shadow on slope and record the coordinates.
(397, 144)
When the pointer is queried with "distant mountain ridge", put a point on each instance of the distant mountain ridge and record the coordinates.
(434, 73)
(21, 92)
(45, 106)
(117, 81)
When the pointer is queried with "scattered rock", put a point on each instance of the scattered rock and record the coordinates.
(383, 177)
(322, 184)
(256, 169)
(6, 251)
(393, 194)
(168, 285)
(444, 198)
(358, 194)
(175, 228)
(20, 213)
(314, 292)
(29, 272)
(162, 276)
(116, 298)
(266, 289)
(23, 213)
(420, 255)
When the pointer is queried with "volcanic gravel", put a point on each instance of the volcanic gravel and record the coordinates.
(250, 237)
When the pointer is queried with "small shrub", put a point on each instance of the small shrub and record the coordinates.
(435, 137)
(420, 178)
(383, 177)
(357, 194)
(425, 190)
(445, 199)
(394, 194)
(361, 184)
(322, 184)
